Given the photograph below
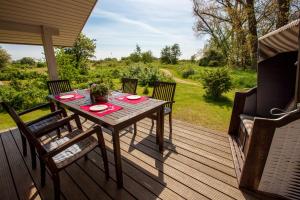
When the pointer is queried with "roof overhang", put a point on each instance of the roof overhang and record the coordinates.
(21, 22)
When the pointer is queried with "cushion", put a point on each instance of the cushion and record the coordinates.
(37, 126)
(247, 122)
(72, 153)
(167, 111)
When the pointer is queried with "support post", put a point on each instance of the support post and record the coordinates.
(49, 53)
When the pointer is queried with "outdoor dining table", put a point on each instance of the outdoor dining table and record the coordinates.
(118, 120)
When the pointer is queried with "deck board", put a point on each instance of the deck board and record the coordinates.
(24, 183)
(196, 164)
(8, 190)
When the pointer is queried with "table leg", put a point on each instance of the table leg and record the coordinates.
(117, 156)
(160, 129)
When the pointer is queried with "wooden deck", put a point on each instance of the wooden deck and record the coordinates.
(196, 164)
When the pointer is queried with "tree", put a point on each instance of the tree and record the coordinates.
(136, 56)
(175, 53)
(193, 58)
(4, 58)
(212, 57)
(170, 54)
(252, 36)
(27, 61)
(84, 49)
(147, 57)
(234, 26)
(283, 12)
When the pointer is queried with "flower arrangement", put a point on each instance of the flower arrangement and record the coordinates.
(99, 92)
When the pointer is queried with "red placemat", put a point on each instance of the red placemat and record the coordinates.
(76, 96)
(133, 101)
(111, 108)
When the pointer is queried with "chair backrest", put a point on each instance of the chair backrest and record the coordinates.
(59, 86)
(129, 85)
(164, 91)
(276, 80)
(20, 123)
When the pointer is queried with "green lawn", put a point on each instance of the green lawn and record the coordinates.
(191, 105)
(7, 122)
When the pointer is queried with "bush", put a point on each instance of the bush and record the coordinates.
(146, 90)
(27, 61)
(147, 57)
(146, 75)
(4, 58)
(212, 58)
(24, 94)
(216, 82)
(10, 73)
(188, 72)
(115, 73)
(41, 64)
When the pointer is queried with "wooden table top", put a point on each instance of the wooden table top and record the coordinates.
(119, 119)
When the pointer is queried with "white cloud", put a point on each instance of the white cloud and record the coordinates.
(123, 19)
(119, 25)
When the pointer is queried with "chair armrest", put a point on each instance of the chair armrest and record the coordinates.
(73, 141)
(238, 108)
(259, 146)
(34, 108)
(55, 125)
(58, 112)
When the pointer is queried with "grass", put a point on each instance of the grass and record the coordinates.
(191, 104)
(7, 122)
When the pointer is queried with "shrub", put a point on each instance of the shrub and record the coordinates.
(147, 57)
(188, 72)
(41, 64)
(115, 73)
(27, 61)
(212, 58)
(24, 94)
(4, 58)
(146, 90)
(146, 75)
(12, 73)
(216, 82)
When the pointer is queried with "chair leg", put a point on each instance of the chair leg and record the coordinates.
(56, 183)
(170, 125)
(33, 156)
(58, 133)
(104, 156)
(24, 145)
(135, 128)
(69, 127)
(43, 172)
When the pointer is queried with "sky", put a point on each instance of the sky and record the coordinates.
(118, 26)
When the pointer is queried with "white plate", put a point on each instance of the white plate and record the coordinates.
(133, 97)
(67, 96)
(98, 108)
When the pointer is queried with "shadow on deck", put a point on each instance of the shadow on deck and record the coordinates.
(196, 164)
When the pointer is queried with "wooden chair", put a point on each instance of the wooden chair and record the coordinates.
(56, 153)
(129, 85)
(59, 86)
(39, 123)
(164, 91)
